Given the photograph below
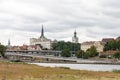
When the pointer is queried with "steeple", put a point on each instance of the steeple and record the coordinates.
(75, 34)
(9, 43)
(75, 38)
(42, 32)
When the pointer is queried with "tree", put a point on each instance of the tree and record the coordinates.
(61, 45)
(92, 51)
(118, 45)
(85, 56)
(112, 45)
(66, 53)
(2, 50)
(117, 55)
(80, 53)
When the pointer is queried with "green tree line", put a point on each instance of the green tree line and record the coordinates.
(61, 45)
(112, 45)
(2, 50)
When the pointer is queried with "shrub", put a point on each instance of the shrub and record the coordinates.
(79, 53)
(65, 53)
(116, 55)
(64, 67)
(92, 51)
(2, 50)
(15, 60)
(103, 56)
(116, 71)
(85, 56)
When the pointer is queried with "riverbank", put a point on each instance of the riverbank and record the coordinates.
(77, 61)
(104, 63)
(67, 61)
(23, 71)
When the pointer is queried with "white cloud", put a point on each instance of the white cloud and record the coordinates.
(93, 19)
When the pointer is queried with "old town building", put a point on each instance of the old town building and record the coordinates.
(98, 44)
(41, 41)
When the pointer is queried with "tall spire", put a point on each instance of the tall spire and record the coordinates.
(42, 32)
(9, 43)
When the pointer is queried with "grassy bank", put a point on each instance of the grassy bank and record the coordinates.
(23, 71)
(116, 71)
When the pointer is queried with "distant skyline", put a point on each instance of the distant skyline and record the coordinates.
(93, 20)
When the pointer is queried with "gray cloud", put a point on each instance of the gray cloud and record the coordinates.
(93, 19)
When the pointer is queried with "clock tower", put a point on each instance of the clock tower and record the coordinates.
(75, 38)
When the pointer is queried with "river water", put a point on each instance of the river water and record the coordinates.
(91, 67)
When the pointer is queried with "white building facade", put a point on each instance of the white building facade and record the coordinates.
(42, 41)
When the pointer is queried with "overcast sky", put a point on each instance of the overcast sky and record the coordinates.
(93, 20)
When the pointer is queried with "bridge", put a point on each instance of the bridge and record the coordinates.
(40, 57)
(34, 51)
(45, 55)
(41, 52)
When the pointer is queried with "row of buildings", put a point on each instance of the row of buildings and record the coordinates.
(98, 44)
(43, 43)
(47, 43)
(39, 43)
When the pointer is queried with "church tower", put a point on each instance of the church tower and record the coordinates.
(75, 38)
(42, 37)
(42, 32)
(9, 45)
(41, 41)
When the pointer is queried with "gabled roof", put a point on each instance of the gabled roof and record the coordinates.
(118, 38)
(88, 43)
(107, 39)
